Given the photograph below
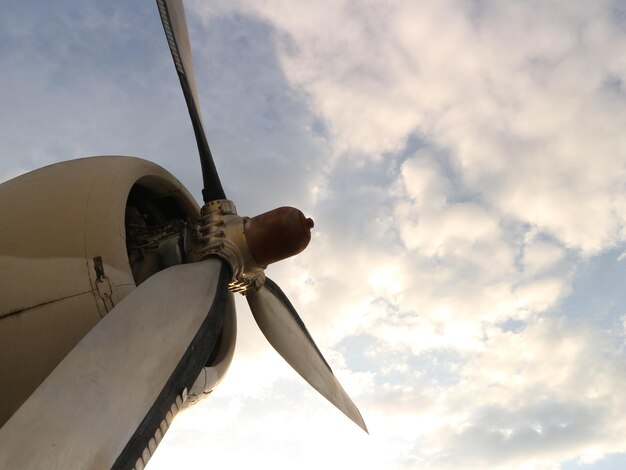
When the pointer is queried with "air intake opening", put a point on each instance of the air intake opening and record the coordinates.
(156, 223)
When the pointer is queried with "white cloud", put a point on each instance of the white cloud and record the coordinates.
(537, 397)
(519, 172)
(541, 256)
(424, 182)
(516, 94)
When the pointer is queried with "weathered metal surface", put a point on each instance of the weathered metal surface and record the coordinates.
(116, 373)
(63, 260)
(222, 234)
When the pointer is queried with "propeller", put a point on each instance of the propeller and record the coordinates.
(111, 399)
(175, 27)
(268, 238)
(286, 332)
(108, 403)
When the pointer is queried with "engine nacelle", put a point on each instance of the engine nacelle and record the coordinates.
(76, 237)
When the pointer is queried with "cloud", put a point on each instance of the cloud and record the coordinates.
(541, 256)
(539, 395)
(530, 119)
(469, 242)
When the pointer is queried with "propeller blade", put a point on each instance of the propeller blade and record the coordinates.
(284, 329)
(109, 401)
(175, 26)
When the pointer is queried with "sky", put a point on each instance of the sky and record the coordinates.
(464, 162)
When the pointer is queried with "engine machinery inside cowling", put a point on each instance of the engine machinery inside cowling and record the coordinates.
(156, 231)
(160, 233)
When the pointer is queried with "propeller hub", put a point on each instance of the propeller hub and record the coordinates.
(250, 244)
(222, 234)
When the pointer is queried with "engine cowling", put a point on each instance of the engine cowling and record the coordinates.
(77, 237)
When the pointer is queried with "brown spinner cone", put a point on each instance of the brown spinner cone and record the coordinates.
(277, 234)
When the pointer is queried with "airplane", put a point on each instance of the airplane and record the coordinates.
(116, 299)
